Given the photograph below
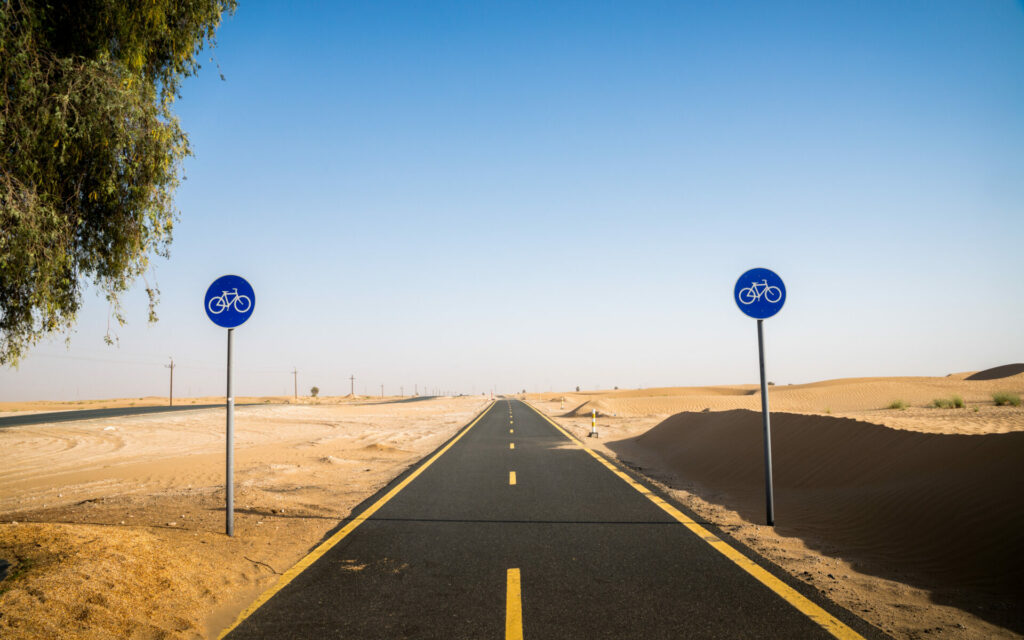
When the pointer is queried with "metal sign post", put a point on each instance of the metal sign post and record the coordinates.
(760, 293)
(766, 421)
(229, 482)
(229, 302)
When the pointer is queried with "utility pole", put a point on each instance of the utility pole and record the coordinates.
(382, 391)
(415, 389)
(352, 389)
(295, 372)
(170, 396)
(401, 392)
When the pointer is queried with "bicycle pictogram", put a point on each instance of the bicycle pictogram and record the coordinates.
(756, 290)
(228, 299)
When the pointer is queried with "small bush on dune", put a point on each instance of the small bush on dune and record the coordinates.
(956, 402)
(897, 404)
(1005, 397)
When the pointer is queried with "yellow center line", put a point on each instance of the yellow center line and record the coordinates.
(326, 545)
(511, 430)
(513, 607)
(511, 445)
(823, 618)
(511, 477)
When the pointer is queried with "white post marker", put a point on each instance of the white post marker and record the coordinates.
(593, 424)
(760, 293)
(229, 302)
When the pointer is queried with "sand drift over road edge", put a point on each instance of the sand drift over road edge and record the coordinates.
(934, 510)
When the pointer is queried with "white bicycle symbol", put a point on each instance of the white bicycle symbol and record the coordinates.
(228, 299)
(754, 292)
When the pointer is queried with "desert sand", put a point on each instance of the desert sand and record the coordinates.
(114, 528)
(913, 518)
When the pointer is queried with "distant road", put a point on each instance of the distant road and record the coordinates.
(512, 530)
(93, 414)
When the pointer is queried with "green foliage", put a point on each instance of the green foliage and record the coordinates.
(90, 151)
(314, 391)
(897, 404)
(1005, 397)
(955, 402)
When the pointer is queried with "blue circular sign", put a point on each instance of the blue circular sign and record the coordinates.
(229, 301)
(760, 293)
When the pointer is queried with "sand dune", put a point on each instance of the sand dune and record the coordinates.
(996, 373)
(911, 517)
(866, 399)
(949, 508)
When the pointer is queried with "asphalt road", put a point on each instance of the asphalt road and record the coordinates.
(93, 414)
(571, 550)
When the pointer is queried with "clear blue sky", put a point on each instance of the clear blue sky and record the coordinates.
(540, 195)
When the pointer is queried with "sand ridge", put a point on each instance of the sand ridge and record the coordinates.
(910, 517)
(866, 399)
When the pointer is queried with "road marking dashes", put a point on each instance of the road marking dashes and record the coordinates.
(513, 607)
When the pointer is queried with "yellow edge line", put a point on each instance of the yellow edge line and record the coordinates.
(823, 618)
(326, 545)
(513, 607)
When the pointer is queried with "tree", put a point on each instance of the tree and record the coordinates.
(314, 391)
(90, 151)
